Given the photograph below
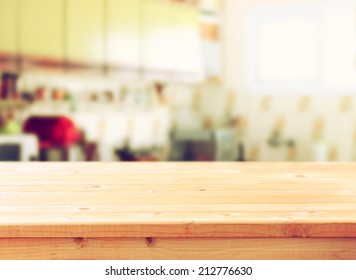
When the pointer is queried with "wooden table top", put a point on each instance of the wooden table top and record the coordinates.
(177, 200)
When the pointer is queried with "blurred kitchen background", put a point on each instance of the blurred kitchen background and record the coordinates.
(178, 80)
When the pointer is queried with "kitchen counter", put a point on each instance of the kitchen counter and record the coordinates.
(177, 211)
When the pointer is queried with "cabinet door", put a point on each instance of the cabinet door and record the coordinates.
(41, 28)
(187, 53)
(85, 31)
(8, 26)
(157, 37)
(124, 33)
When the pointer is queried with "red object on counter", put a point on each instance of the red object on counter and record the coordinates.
(53, 132)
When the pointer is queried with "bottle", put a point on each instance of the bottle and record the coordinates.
(241, 152)
(321, 151)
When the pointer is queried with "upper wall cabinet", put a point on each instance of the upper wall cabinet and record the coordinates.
(85, 31)
(8, 26)
(124, 42)
(158, 37)
(171, 41)
(187, 59)
(41, 28)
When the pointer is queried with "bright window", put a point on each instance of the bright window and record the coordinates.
(301, 48)
(288, 51)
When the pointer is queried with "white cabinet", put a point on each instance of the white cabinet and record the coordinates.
(171, 42)
(85, 31)
(41, 28)
(157, 38)
(187, 52)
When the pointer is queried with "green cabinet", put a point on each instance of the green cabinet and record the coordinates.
(159, 37)
(41, 28)
(8, 26)
(85, 31)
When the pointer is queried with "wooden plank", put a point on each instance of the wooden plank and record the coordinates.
(216, 208)
(177, 200)
(176, 249)
(70, 228)
(123, 186)
(84, 217)
(53, 199)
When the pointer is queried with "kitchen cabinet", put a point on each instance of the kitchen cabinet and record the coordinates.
(41, 28)
(187, 60)
(171, 42)
(157, 38)
(161, 38)
(8, 26)
(123, 41)
(85, 29)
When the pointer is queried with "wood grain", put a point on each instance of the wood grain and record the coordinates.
(177, 249)
(269, 208)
